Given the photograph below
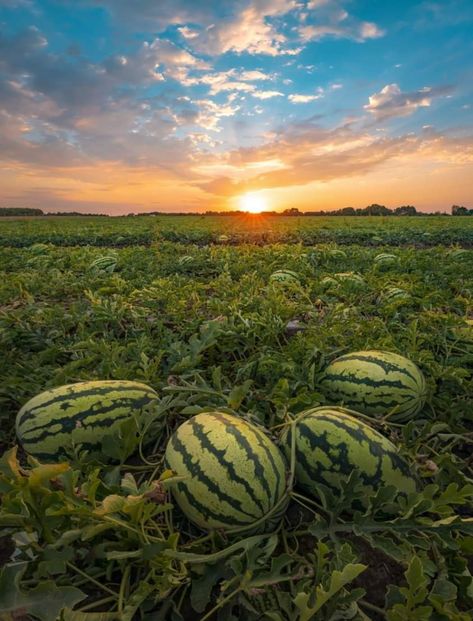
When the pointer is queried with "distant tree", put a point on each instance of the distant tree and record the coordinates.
(405, 210)
(376, 210)
(347, 211)
(458, 210)
(20, 211)
(293, 211)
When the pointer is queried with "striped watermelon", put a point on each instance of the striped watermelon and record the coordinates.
(106, 263)
(234, 475)
(385, 261)
(330, 444)
(375, 383)
(347, 280)
(284, 276)
(395, 295)
(79, 415)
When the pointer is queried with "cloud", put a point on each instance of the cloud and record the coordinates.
(266, 94)
(304, 98)
(211, 112)
(306, 154)
(245, 26)
(369, 30)
(249, 30)
(223, 81)
(328, 18)
(391, 102)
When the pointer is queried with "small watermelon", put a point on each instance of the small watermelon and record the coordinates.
(233, 474)
(376, 383)
(395, 295)
(330, 444)
(78, 416)
(385, 261)
(284, 277)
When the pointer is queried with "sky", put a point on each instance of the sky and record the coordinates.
(119, 106)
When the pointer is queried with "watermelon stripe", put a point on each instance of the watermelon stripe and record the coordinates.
(66, 430)
(90, 416)
(229, 519)
(196, 471)
(260, 435)
(260, 474)
(351, 378)
(387, 405)
(77, 393)
(207, 445)
(384, 364)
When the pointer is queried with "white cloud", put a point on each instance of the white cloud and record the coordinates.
(188, 33)
(390, 101)
(369, 30)
(266, 94)
(330, 19)
(252, 76)
(248, 30)
(211, 112)
(301, 98)
(294, 98)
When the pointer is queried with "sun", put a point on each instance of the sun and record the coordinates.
(253, 203)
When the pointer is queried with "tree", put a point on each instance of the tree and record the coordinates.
(20, 211)
(405, 210)
(347, 211)
(377, 210)
(458, 210)
(293, 211)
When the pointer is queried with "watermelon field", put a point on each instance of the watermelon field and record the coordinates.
(270, 418)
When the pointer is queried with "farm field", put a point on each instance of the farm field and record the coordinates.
(190, 306)
(259, 229)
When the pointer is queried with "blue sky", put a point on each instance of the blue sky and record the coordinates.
(120, 105)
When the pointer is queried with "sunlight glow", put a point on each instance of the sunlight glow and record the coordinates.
(254, 203)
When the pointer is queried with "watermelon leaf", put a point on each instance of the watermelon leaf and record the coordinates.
(44, 602)
(310, 603)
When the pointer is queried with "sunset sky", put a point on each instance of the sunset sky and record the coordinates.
(182, 105)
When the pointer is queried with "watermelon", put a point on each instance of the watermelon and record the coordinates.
(346, 280)
(385, 261)
(330, 444)
(395, 295)
(376, 383)
(335, 253)
(233, 474)
(106, 263)
(78, 416)
(284, 276)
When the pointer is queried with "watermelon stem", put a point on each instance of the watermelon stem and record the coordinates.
(90, 579)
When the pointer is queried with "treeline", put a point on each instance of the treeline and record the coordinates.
(29, 211)
(20, 211)
(370, 210)
(458, 210)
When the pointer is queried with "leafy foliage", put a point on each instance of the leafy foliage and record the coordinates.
(203, 324)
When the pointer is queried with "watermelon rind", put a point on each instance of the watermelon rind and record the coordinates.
(231, 474)
(331, 443)
(376, 383)
(66, 419)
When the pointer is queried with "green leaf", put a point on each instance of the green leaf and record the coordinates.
(338, 580)
(44, 602)
(237, 395)
(202, 585)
